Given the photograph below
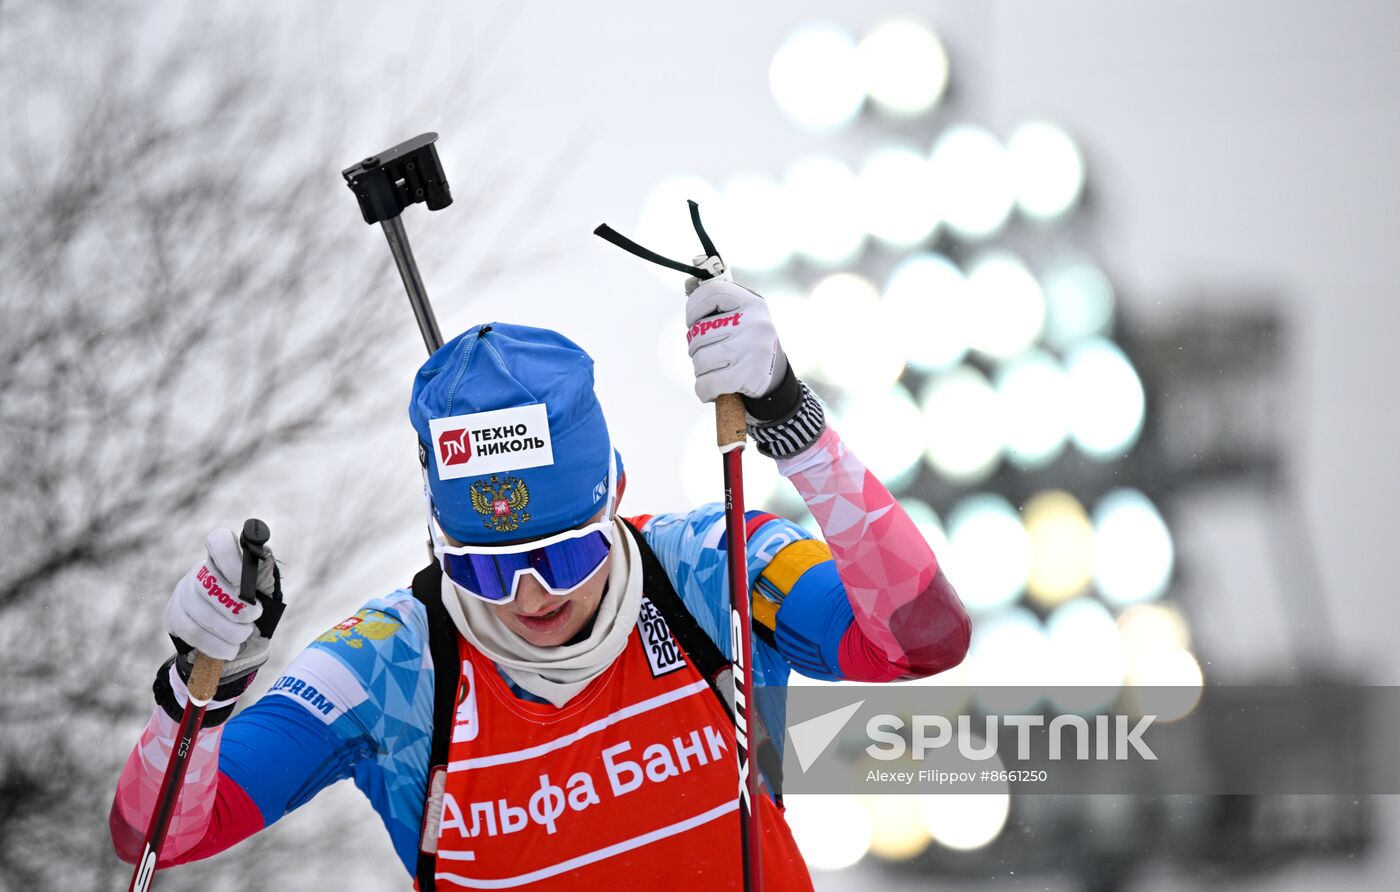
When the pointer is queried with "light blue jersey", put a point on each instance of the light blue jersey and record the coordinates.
(358, 701)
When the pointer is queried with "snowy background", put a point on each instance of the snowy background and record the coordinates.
(1236, 155)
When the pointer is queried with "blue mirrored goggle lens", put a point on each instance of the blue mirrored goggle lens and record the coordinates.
(562, 565)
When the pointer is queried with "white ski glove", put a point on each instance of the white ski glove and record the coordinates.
(206, 613)
(733, 345)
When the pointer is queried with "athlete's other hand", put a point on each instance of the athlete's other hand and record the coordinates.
(206, 613)
(733, 345)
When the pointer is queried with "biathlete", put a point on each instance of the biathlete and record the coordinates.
(570, 654)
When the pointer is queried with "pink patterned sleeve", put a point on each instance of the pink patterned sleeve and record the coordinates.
(140, 783)
(212, 813)
(909, 621)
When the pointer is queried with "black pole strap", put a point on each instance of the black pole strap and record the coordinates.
(607, 233)
(709, 246)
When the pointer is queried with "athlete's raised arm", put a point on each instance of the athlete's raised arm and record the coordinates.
(872, 603)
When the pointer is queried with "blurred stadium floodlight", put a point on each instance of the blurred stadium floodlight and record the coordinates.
(824, 206)
(898, 197)
(971, 176)
(1133, 553)
(1047, 170)
(925, 296)
(1062, 548)
(904, 67)
(1007, 305)
(1034, 395)
(982, 366)
(815, 77)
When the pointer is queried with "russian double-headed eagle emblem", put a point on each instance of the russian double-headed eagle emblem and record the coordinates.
(501, 502)
(368, 624)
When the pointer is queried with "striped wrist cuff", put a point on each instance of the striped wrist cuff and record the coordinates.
(790, 435)
(172, 695)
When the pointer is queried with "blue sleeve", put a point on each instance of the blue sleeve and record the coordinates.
(797, 593)
(282, 756)
(357, 702)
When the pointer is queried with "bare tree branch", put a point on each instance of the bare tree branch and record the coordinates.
(169, 336)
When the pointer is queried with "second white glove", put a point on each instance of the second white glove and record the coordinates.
(205, 611)
(733, 345)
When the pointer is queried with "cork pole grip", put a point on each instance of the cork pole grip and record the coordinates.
(731, 424)
(204, 678)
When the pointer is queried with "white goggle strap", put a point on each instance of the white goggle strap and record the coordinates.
(612, 483)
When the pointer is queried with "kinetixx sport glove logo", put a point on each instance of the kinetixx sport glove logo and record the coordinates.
(706, 325)
(211, 585)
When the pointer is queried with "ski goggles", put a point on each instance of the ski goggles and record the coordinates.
(561, 563)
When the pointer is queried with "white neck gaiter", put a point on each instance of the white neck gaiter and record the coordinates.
(558, 674)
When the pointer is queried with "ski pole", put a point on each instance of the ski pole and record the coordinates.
(731, 428)
(204, 681)
(385, 185)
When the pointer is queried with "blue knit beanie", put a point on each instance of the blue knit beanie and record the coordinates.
(510, 434)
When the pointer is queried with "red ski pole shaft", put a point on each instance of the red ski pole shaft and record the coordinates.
(203, 684)
(731, 425)
(732, 428)
(204, 680)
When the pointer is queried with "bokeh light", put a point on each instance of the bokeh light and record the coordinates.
(825, 209)
(1086, 663)
(832, 832)
(1164, 677)
(963, 424)
(1047, 169)
(881, 427)
(928, 305)
(967, 821)
(816, 79)
(989, 552)
(1035, 404)
(973, 181)
(853, 340)
(1152, 628)
(1009, 649)
(1133, 551)
(1006, 309)
(759, 228)
(1165, 668)
(1166, 685)
(903, 66)
(897, 199)
(1062, 547)
(899, 832)
(1078, 302)
(1107, 404)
